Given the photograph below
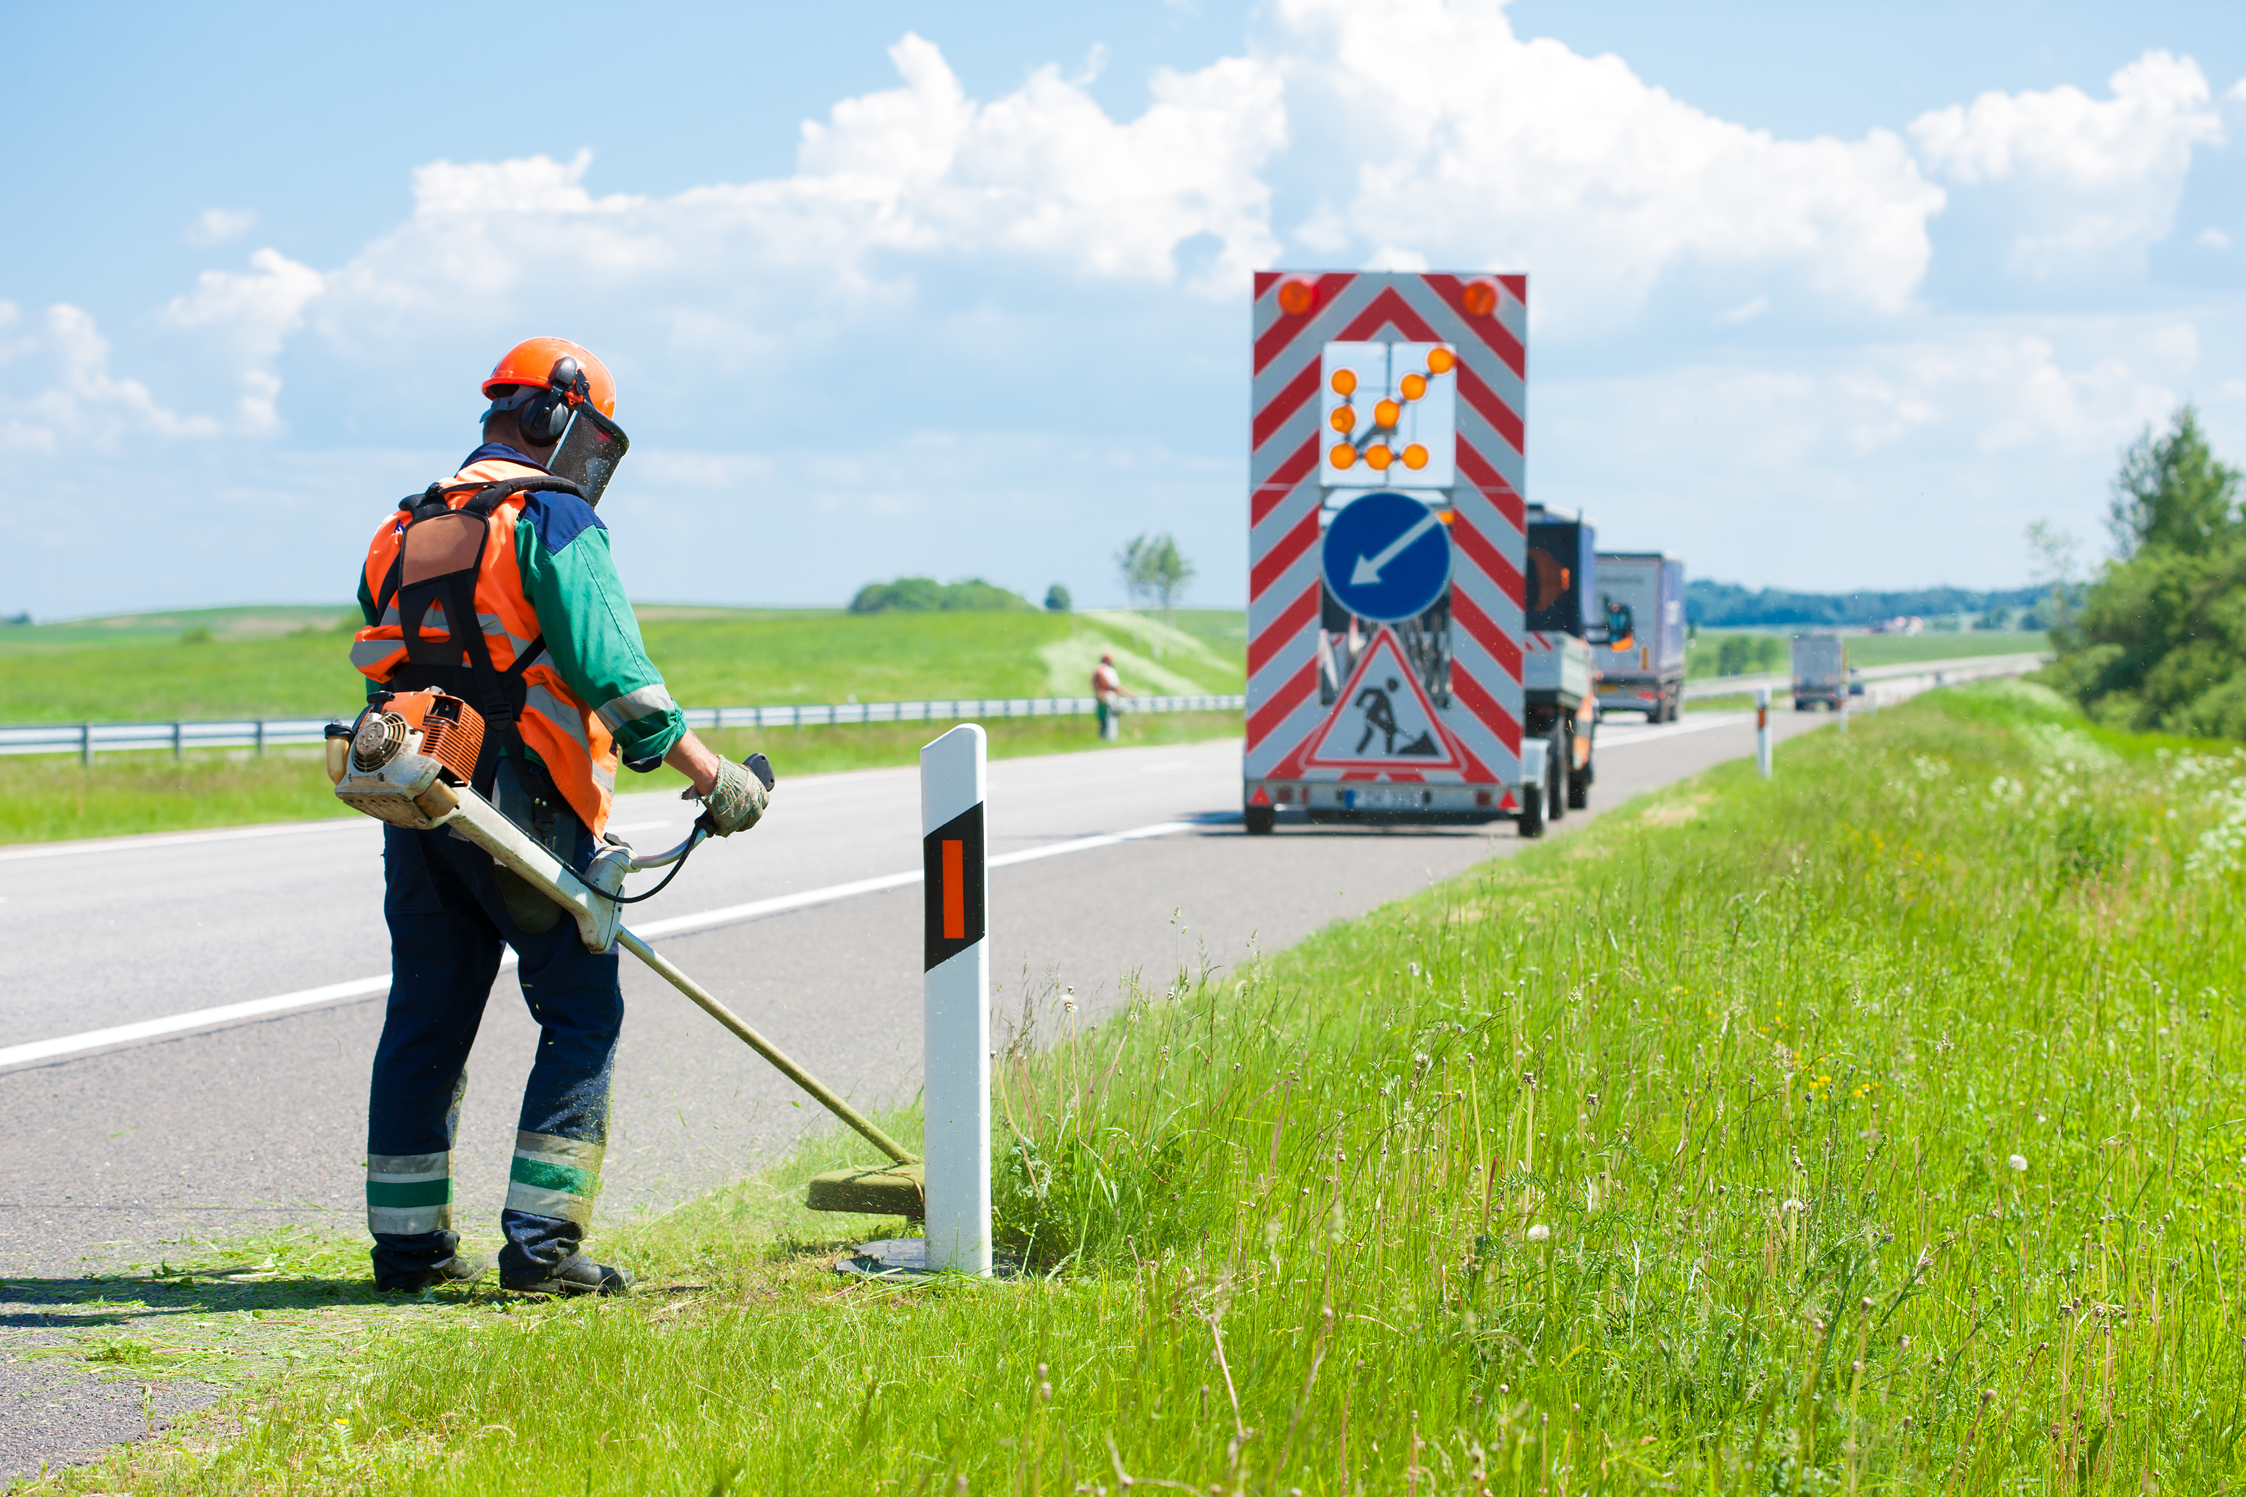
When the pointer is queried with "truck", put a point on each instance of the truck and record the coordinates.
(1820, 671)
(1642, 662)
(1556, 671)
(1387, 551)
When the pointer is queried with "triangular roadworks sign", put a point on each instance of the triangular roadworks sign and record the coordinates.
(1383, 719)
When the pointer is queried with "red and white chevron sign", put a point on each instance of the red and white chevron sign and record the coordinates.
(1303, 648)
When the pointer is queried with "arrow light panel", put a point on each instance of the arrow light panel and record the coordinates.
(1389, 414)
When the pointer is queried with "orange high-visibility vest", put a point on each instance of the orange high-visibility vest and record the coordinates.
(565, 733)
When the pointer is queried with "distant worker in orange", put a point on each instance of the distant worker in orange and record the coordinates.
(1108, 690)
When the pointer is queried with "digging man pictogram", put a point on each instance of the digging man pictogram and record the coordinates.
(1380, 717)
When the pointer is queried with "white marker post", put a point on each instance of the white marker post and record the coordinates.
(957, 995)
(1762, 730)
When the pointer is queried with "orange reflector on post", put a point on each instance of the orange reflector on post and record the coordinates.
(955, 890)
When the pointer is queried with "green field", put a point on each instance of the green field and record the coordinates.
(278, 662)
(1864, 649)
(1874, 1129)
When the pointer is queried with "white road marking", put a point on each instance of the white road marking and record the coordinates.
(1626, 737)
(177, 839)
(362, 987)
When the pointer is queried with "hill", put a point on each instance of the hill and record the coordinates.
(1728, 605)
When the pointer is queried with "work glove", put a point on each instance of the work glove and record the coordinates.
(736, 801)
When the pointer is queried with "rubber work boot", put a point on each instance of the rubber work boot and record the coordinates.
(576, 1274)
(460, 1268)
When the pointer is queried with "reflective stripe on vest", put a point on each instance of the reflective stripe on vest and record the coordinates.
(565, 733)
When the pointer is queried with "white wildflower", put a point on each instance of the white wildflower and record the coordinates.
(2019, 1163)
(1540, 1233)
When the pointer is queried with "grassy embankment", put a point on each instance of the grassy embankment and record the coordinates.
(1873, 1129)
(292, 662)
(1863, 649)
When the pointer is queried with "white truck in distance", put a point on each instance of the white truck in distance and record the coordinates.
(1641, 666)
(1820, 672)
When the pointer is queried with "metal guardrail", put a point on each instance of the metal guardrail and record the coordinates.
(90, 738)
(1967, 668)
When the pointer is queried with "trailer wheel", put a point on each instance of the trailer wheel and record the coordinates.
(1530, 823)
(1260, 820)
(1557, 777)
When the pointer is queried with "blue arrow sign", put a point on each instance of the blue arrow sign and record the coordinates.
(1387, 557)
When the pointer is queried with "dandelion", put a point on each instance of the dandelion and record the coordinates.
(2019, 1163)
(1540, 1233)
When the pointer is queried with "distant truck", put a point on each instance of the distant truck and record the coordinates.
(1556, 670)
(1820, 672)
(1642, 664)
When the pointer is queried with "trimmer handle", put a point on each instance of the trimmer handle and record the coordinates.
(755, 764)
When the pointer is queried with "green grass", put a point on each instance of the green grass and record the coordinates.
(293, 662)
(44, 797)
(1874, 1129)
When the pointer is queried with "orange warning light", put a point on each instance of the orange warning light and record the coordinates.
(1415, 457)
(1480, 298)
(1387, 413)
(1378, 457)
(1345, 382)
(1297, 297)
(1414, 386)
(1441, 361)
(1343, 455)
(1344, 419)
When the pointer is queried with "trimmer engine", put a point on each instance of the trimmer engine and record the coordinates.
(401, 745)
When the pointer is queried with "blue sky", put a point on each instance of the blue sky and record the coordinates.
(1821, 296)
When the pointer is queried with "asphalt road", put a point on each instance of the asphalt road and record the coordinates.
(120, 1153)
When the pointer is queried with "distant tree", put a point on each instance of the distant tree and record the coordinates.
(1057, 599)
(2159, 640)
(1153, 566)
(2051, 559)
(927, 595)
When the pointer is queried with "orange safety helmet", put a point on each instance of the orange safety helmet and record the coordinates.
(531, 362)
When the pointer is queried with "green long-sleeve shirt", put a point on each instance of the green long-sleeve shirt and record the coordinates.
(592, 637)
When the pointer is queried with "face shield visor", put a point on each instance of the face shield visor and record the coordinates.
(589, 451)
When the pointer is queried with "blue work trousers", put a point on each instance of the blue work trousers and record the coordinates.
(448, 925)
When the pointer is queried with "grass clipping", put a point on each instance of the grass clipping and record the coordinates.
(1873, 1129)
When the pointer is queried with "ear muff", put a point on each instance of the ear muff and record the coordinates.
(543, 415)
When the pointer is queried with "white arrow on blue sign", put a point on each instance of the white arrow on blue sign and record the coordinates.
(1387, 557)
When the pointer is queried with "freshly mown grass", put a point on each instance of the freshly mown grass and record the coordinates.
(45, 797)
(295, 663)
(1876, 1128)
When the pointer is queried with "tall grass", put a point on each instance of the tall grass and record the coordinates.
(1873, 1129)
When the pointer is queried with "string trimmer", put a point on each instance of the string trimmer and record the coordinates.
(409, 760)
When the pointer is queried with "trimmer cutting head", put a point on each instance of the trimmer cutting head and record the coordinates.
(886, 1190)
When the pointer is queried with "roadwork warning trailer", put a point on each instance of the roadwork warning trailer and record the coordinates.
(1820, 672)
(1386, 552)
(1642, 664)
(1556, 670)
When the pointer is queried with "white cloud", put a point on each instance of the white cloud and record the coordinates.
(2089, 177)
(250, 316)
(67, 401)
(217, 225)
(1455, 137)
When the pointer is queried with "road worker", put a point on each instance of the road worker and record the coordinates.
(555, 664)
(1108, 692)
